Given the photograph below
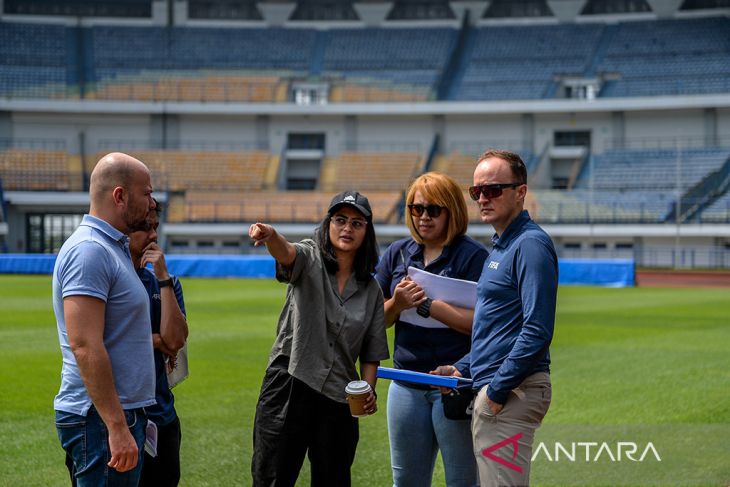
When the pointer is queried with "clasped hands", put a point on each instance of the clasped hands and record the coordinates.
(407, 294)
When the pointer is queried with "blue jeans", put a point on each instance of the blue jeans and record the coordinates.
(86, 440)
(417, 429)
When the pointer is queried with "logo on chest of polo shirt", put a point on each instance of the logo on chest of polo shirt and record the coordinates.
(157, 297)
(493, 265)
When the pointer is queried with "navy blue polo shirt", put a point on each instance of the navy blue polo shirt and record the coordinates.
(163, 412)
(515, 312)
(418, 348)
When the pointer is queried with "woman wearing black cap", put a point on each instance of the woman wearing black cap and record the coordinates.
(333, 315)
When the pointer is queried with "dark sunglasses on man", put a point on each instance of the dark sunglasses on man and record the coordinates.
(490, 190)
(433, 210)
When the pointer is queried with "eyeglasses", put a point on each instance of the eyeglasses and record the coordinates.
(490, 191)
(433, 210)
(342, 221)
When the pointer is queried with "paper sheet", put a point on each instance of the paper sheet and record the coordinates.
(180, 372)
(456, 292)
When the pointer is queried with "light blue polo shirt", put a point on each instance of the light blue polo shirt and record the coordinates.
(95, 261)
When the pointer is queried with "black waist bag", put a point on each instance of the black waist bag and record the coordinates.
(458, 403)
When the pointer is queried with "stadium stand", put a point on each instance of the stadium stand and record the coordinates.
(78, 8)
(178, 63)
(583, 206)
(420, 10)
(398, 59)
(518, 62)
(704, 4)
(371, 171)
(632, 170)
(631, 185)
(289, 206)
(181, 170)
(224, 10)
(668, 57)
(35, 170)
(34, 61)
(717, 212)
(324, 10)
(373, 64)
(521, 8)
(602, 7)
(491, 61)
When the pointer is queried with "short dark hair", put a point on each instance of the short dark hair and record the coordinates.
(367, 255)
(159, 207)
(515, 162)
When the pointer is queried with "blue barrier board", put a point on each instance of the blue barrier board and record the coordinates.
(421, 378)
(587, 272)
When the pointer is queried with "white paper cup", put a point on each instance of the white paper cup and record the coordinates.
(358, 392)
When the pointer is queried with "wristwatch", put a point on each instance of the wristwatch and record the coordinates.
(424, 309)
(165, 282)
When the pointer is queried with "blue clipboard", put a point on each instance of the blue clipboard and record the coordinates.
(422, 378)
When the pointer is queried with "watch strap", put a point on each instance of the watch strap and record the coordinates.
(424, 309)
(165, 282)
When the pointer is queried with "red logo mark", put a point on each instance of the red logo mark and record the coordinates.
(513, 440)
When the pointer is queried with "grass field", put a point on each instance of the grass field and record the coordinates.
(653, 357)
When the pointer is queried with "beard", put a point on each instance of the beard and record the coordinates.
(136, 223)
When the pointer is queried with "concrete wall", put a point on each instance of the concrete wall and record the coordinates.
(674, 123)
(98, 130)
(476, 133)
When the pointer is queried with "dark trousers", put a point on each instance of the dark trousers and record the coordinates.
(293, 420)
(164, 469)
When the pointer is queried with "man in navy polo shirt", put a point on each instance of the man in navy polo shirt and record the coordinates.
(513, 325)
(169, 332)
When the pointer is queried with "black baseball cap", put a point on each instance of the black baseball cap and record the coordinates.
(352, 198)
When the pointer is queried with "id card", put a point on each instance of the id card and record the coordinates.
(150, 442)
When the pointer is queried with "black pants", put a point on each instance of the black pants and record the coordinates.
(164, 469)
(293, 420)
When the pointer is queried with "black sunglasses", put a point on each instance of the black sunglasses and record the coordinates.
(433, 210)
(490, 190)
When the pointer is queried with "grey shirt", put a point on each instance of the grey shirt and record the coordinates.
(324, 333)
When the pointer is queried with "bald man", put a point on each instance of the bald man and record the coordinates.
(103, 319)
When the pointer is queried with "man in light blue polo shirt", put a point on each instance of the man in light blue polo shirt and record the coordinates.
(513, 325)
(103, 319)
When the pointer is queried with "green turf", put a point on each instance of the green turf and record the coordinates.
(652, 357)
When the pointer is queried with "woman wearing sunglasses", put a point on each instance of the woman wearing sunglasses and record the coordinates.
(436, 216)
(333, 317)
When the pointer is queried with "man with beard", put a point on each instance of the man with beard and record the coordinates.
(103, 319)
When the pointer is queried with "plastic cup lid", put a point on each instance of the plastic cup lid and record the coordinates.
(357, 387)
